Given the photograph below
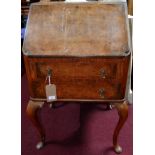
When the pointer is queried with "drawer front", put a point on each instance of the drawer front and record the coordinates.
(78, 78)
(81, 89)
(76, 68)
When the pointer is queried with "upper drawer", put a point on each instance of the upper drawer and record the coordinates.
(71, 68)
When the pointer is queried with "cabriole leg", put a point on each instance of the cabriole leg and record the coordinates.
(122, 109)
(32, 110)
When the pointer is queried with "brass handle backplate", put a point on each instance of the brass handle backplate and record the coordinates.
(49, 72)
(102, 73)
(102, 92)
(49, 75)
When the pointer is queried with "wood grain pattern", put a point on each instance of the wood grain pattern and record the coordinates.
(86, 47)
(130, 7)
(78, 78)
(123, 115)
(77, 29)
(32, 112)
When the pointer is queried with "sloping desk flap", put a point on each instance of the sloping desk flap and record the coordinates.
(77, 29)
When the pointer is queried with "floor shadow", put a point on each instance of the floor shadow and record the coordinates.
(74, 139)
(107, 151)
(77, 137)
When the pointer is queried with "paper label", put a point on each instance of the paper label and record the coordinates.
(51, 97)
(51, 92)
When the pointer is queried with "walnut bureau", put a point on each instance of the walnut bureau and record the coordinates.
(77, 52)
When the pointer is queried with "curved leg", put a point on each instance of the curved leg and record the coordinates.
(32, 109)
(122, 109)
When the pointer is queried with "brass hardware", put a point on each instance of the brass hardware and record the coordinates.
(49, 72)
(101, 92)
(102, 73)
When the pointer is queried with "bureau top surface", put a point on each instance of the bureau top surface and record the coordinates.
(77, 29)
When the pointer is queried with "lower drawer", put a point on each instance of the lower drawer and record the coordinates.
(81, 89)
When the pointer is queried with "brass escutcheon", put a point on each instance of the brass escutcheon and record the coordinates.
(101, 92)
(49, 72)
(102, 73)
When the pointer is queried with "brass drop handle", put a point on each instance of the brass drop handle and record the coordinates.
(49, 72)
(102, 73)
(49, 75)
(102, 92)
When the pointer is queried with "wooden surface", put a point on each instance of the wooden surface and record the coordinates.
(123, 115)
(79, 78)
(130, 7)
(32, 113)
(85, 45)
(77, 29)
(25, 6)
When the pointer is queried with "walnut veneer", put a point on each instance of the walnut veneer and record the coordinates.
(86, 47)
